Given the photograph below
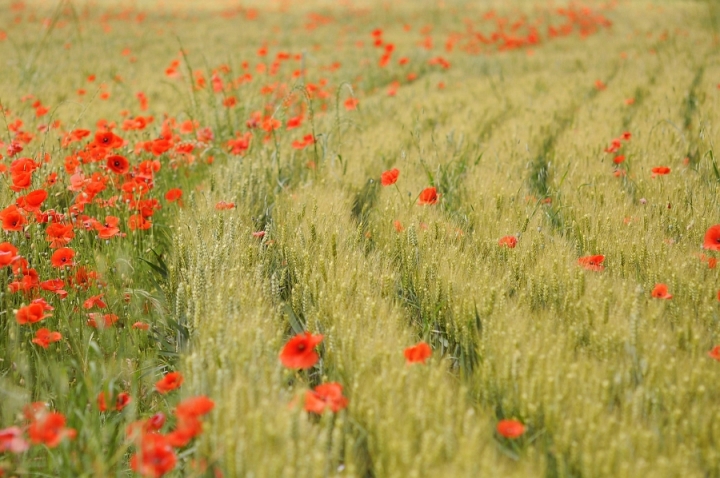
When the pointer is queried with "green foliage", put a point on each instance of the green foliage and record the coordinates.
(608, 380)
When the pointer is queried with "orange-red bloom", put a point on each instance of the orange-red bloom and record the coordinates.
(222, 205)
(188, 425)
(105, 321)
(102, 401)
(122, 400)
(173, 194)
(186, 429)
(109, 229)
(59, 235)
(47, 427)
(661, 292)
(31, 314)
(660, 171)
(32, 200)
(12, 218)
(298, 351)
(62, 257)
(95, 301)
(44, 337)
(510, 428)
(8, 254)
(428, 196)
(389, 177)
(11, 439)
(351, 103)
(137, 221)
(108, 139)
(715, 353)
(327, 395)
(118, 164)
(169, 382)
(508, 241)
(155, 457)
(712, 238)
(592, 263)
(418, 353)
(194, 406)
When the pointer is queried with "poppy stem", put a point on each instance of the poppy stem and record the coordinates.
(398, 190)
(414, 201)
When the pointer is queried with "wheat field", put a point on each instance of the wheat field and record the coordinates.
(529, 188)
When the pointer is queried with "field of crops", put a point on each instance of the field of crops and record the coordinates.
(360, 238)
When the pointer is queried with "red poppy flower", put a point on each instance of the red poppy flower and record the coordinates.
(141, 326)
(33, 200)
(122, 400)
(173, 194)
(95, 301)
(614, 146)
(661, 292)
(295, 122)
(188, 426)
(59, 235)
(618, 159)
(351, 103)
(715, 353)
(105, 320)
(108, 139)
(307, 140)
(31, 314)
(195, 406)
(327, 395)
(229, 102)
(418, 353)
(186, 429)
(152, 424)
(48, 427)
(83, 278)
(137, 221)
(428, 196)
(510, 428)
(8, 254)
(222, 205)
(109, 229)
(44, 337)
(508, 241)
(169, 382)
(12, 218)
(592, 263)
(62, 257)
(102, 399)
(21, 180)
(389, 177)
(660, 171)
(156, 456)
(712, 238)
(298, 351)
(118, 164)
(11, 439)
